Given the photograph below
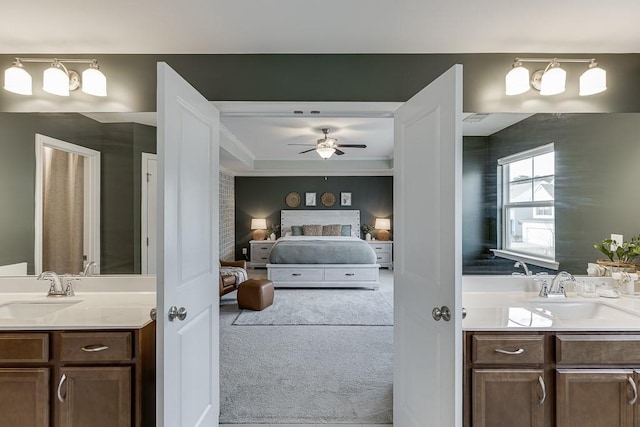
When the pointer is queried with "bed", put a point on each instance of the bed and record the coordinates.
(304, 261)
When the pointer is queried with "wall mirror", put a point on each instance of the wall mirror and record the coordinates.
(120, 146)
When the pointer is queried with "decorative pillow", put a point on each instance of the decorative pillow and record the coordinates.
(312, 230)
(346, 230)
(296, 230)
(332, 230)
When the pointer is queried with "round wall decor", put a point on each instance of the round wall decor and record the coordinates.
(293, 199)
(328, 199)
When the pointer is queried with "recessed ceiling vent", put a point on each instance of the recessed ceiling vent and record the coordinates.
(475, 118)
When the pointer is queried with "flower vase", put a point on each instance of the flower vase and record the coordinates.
(272, 236)
(367, 236)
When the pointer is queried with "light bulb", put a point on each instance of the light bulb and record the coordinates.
(325, 152)
(94, 82)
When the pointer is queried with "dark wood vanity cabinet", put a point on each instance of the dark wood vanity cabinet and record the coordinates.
(78, 378)
(551, 379)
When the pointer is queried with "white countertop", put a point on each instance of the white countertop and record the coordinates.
(99, 303)
(508, 308)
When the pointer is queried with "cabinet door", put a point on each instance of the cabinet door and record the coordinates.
(594, 397)
(509, 397)
(24, 397)
(94, 396)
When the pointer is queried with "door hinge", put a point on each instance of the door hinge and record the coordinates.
(147, 241)
(148, 175)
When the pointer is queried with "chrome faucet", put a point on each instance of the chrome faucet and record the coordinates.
(557, 290)
(55, 288)
(527, 272)
(88, 269)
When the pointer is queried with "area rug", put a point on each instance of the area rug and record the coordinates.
(344, 307)
(304, 374)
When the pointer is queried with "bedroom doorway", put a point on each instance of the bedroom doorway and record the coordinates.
(423, 121)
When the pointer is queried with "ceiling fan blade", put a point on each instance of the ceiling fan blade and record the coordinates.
(308, 145)
(307, 151)
(339, 152)
(351, 146)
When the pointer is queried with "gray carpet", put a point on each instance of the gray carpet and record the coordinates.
(305, 374)
(322, 307)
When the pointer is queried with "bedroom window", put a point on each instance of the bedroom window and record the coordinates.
(527, 182)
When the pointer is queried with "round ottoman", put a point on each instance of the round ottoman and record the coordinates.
(255, 294)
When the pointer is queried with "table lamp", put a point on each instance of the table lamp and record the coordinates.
(383, 225)
(260, 227)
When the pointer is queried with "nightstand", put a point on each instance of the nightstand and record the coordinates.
(260, 252)
(384, 252)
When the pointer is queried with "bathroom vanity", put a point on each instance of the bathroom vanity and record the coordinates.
(535, 362)
(86, 360)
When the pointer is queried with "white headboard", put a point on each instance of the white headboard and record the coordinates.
(322, 217)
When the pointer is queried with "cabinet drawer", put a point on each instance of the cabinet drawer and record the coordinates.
(260, 253)
(95, 346)
(384, 258)
(24, 348)
(598, 349)
(297, 274)
(381, 248)
(350, 274)
(507, 349)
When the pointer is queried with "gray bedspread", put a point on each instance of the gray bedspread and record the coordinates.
(322, 252)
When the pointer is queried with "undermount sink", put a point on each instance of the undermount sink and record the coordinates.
(585, 310)
(32, 309)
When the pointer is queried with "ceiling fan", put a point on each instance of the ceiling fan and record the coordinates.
(327, 146)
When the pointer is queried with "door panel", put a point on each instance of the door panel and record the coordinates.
(188, 371)
(428, 267)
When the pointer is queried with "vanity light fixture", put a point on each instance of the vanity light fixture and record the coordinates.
(57, 79)
(552, 79)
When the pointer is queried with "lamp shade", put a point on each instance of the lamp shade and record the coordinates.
(382, 224)
(258, 224)
(17, 80)
(593, 81)
(517, 80)
(553, 80)
(56, 81)
(325, 152)
(94, 82)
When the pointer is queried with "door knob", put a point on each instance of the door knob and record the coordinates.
(153, 313)
(441, 313)
(180, 313)
(464, 312)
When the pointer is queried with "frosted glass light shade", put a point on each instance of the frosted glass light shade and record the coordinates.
(593, 81)
(517, 81)
(55, 81)
(17, 80)
(553, 81)
(94, 82)
(325, 152)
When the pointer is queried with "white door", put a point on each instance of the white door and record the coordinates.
(149, 205)
(428, 269)
(187, 336)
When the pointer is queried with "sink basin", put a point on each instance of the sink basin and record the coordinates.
(32, 309)
(583, 310)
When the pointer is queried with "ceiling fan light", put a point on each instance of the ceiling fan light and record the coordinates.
(56, 80)
(517, 80)
(17, 79)
(553, 80)
(593, 81)
(94, 81)
(325, 152)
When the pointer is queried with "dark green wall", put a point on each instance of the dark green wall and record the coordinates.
(597, 157)
(264, 197)
(346, 77)
(120, 210)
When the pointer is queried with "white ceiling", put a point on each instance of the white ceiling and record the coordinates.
(312, 26)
